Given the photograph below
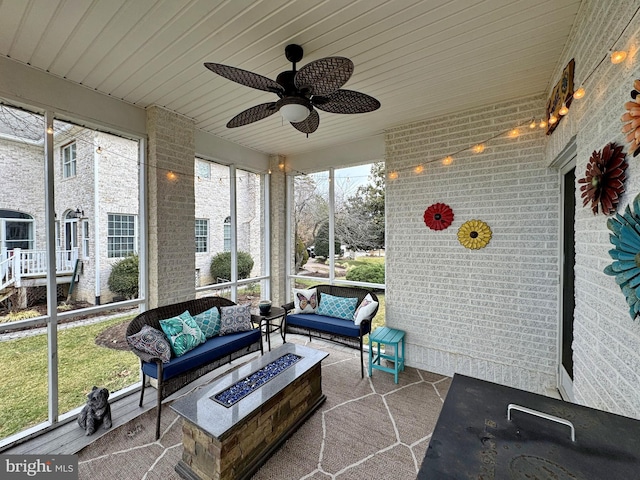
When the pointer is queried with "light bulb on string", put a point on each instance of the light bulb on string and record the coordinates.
(393, 175)
(543, 123)
(514, 132)
(50, 130)
(618, 56)
(448, 160)
(553, 119)
(533, 124)
(419, 169)
(564, 109)
(99, 150)
(479, 148)
(578, 94)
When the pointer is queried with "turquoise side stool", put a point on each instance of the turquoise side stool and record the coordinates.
(388, 336)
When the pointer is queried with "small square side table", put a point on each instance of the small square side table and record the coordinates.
(387, 336)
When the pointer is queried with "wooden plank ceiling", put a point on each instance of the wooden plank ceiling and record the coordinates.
(420, 58)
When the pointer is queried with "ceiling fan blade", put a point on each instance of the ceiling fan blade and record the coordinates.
(244, 77)
(346, 101)
(253, 114)
(308, 125)
(324, 76)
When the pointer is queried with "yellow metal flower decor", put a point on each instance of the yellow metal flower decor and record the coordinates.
(625, 237)
(474, 234)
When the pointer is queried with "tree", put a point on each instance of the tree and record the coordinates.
(123, 279)
(310, 208)
(221, 265)
(322, 241)
(361, 224)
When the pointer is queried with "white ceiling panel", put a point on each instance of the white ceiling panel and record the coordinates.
(419, 58)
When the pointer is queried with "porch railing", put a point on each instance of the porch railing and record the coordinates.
(18, 264)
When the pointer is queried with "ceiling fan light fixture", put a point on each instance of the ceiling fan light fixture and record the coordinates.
(294, 109)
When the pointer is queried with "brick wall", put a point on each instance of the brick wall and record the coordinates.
(171, 207)
(606, 341)
(489, 313)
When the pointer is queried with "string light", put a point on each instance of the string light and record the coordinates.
(171, 176)
(99, 150)
(563, 109)
(533, 124)
(448, 160)
(543, 123)
(479, 148)
(419, 169)
(515, 132)
(578, 94)
(553, 119)
(50, 130)
(618, 56)
(393, 175)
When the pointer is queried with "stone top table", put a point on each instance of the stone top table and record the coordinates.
(233, 441)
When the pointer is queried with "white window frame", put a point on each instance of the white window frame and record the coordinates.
(113, 253)
(69, 155)
(226, 234)
(85, 238)
(202, 222)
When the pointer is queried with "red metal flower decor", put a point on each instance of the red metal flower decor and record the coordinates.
(631, 120)
(604, 181)
(438, 216)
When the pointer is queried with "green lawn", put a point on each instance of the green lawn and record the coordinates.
(82, 364)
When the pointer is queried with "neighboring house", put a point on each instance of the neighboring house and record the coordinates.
(96, 204)
(213, 216)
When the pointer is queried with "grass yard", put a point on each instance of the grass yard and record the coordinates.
(81, 365)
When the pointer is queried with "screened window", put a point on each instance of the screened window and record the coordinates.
(69, 160)
(227, 234)
(202, 235)
(121, 235)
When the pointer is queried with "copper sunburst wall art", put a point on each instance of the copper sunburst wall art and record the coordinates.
(438, 216)
(631, 120)
(604, 179)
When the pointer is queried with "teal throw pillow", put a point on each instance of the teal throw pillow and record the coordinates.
(209, 322)
(339, 307)
(183, 333)
(234, 319)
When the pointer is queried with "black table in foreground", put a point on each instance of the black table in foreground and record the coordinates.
(229, 435)
(484, 433)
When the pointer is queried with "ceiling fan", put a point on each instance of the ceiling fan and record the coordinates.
(316, 85)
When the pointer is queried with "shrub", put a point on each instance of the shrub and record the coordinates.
(368, 272)
(221, 265)
(302, 255)
(123, 279)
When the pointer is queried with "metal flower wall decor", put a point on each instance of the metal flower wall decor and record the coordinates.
(604, 180)
(438, 216)
(474, 234)
(631, 120)
(625, 237)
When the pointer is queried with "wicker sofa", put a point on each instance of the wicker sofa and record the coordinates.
(345, 332)
(206, 357)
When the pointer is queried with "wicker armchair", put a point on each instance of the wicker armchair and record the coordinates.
(153, 366)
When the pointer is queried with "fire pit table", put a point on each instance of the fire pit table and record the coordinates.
(232, 426)
(489, 431)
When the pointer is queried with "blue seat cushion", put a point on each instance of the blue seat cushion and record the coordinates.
(325, 324)
(210, 351)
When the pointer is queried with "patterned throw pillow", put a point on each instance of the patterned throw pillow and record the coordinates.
(151, 341)
(234, 319)
(365, 309)
(183, 333)
(339, 307)
(209, 322)
(305, 301)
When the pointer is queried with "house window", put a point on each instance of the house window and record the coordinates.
(85, 238)
(121, 235)
(202, 235)
(203, 169)
(16, 230)
(227, 234)
(69, 160)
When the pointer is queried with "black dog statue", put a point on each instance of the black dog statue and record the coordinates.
(97, 411)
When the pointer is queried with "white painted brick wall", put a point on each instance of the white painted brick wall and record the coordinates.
(171, 207)
(606, 340)
(489, 313)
